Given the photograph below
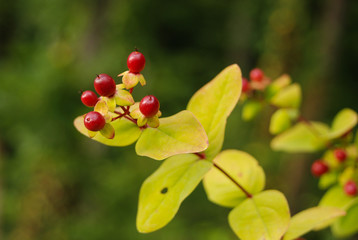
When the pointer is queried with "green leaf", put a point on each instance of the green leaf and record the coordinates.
(180, 133)
(347, 225)
(214, 102)
(344, 121)
(243, 168)
(280, 121)
(328, 179)
(303, 137)
(123, 98)
(108, 131)
(289, 97)
(264, 216)
(250, 110)
(277, 85)
(162, 193)
(126, 132)
(307, 220)
(335, 197)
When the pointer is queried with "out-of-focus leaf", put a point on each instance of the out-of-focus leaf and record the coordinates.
(328, 179)
(307, 220)
(162, 193)
(335, 197)
(303, 137)
(213, 103)
(344, 121)
(180, 133)
(289, 97)
(250, 110)
(243, 168)
(346, 175)
(280, 121)
(279, 83)
(125, 134)
(264, 216)
(347, 225)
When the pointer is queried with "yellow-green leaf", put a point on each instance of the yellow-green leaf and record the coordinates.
(243, 168)
(101, 107)
(280, 121)
(213, 103)
(335, 197)
(250, 110)
(289, 97)
(123, 98)
(264, 216)
(277, 85)
(307, 220)
(125, 134)
(347, 225)
(344, 121)
(108, 131)
(162, 193)
(327, 179)
(303, 137)
(180, 133)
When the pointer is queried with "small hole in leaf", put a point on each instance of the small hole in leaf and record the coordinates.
(164, 190)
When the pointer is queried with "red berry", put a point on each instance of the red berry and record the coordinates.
(340, 154)
(135, 62)
(94, 121)
(104, 85)
(319, 168)
(350, 188)
(256, 74)
(89, 98)
(149, 106)
(245, 85)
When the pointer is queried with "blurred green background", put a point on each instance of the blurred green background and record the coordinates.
(56, 184)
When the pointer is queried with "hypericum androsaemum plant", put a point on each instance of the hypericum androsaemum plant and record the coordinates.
(191, 142)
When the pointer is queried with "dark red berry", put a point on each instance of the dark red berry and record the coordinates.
(149, 106)
(245, 85)
(89, 98)
(350, 188)
(340, 154)
(256, 75)
(135, 62)
(94, 121)
(104, 85)
(319, 168)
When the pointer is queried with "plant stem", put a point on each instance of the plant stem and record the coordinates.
(201, 155)
(233, 180)
(130, 119)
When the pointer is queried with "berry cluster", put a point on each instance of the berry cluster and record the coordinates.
(258, 81)
(323, 166)
(116, 101)
(338, 164)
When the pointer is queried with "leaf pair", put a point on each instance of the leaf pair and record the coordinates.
(266, 214)
(313, 136)
(180, 133)
(163, 192)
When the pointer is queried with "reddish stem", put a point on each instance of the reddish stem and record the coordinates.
(131, 90)
(201, 155)
(130, 119)
(233, 180)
